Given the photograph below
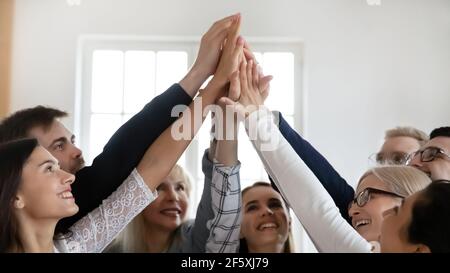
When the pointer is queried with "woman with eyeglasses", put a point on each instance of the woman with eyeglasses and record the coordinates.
(418, 223)
(381, 189)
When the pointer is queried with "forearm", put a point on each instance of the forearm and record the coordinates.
(162, 155)
(226, 148)
(224, 227)
(192, 82)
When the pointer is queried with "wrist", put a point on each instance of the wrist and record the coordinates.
(193, 80)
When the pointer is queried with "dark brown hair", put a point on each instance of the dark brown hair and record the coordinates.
(19, 124)
(13, 156)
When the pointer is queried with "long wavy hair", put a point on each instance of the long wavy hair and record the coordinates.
(13, 156)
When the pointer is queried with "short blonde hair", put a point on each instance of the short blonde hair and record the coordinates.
(402, 180)
(131, 239)
(407, 131)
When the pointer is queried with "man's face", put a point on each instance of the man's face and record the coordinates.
(60, 143)
(439, 167)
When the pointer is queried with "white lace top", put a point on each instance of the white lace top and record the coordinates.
(96, 230)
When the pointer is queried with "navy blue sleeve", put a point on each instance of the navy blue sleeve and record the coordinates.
(123, 152)
(341, 192)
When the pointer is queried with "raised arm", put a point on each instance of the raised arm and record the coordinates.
(224, 228)
(308, 199)
(166, 150)
(341, 192)
(127, 146)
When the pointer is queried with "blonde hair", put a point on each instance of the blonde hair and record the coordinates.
(407, 131)
(402, 180)
(289, 246)
(131, 239)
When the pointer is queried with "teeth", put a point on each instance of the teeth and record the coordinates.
(362, 222)
(66, 195)
(171, 212)
(267, 225)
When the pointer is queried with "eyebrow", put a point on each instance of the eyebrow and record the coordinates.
(48, 161)
(251, 203)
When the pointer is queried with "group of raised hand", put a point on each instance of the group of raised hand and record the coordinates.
(226, 55)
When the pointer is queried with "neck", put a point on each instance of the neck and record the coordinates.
(269, 248)
(36, 235)
(157, 239)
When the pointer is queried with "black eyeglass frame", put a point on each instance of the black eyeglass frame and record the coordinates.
(362, 198)
(428, 157)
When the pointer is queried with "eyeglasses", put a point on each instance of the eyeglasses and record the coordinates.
(363, 197)
(428, 154)
(394, 158)
(443, 181)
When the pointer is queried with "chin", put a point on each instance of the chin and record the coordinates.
(72, 211)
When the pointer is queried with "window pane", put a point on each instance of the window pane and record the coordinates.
(290, 120)
(252, 169)
(103, 126)
(203, 139)
(171, 66)
(139, 79)
(281, 66)
(259, 57)
(107, 81)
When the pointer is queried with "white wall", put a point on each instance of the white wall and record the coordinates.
(368, 68)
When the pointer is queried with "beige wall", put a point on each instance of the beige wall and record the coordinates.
(6, 10)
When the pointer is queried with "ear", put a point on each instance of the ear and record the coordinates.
(421, 248)
(18, 202)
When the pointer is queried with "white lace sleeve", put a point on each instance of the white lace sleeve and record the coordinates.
(96, 230)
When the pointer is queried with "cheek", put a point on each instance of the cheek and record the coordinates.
(246, 225)
(375, 208)
(283, 218)
(151, 211)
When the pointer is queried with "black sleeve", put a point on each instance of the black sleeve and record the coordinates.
(341, 192)
(123, 152)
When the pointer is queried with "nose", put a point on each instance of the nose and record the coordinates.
(353, 210)
(76, 152)
(172, 195)
(66, 178)
(267, 211)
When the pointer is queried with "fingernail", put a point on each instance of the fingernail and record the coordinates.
(240, 40)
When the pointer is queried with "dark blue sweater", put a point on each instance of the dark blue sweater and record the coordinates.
(123, 152)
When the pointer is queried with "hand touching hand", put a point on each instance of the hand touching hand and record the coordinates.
(211, 47)
(247, 86)
(208, 55)
(231, 53)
